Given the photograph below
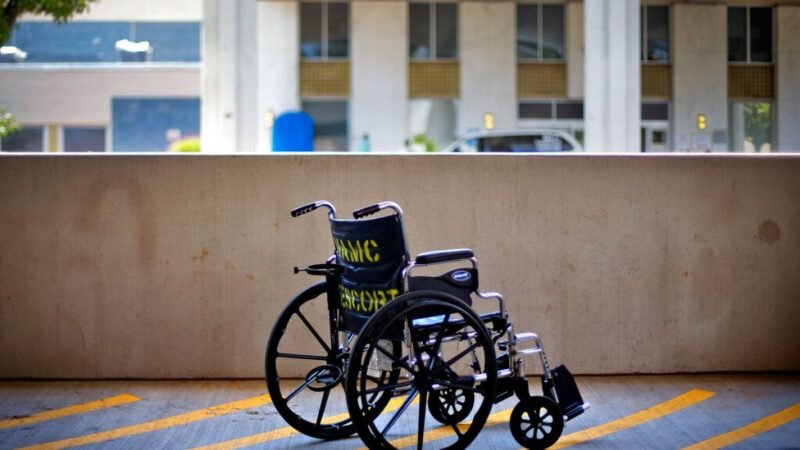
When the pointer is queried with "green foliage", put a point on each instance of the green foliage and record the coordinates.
(60, 10)
(8, 124)
(188, 145)
(422, 140)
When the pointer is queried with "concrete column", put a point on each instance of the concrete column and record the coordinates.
(612, 76)
(574, 44)
(699, 74)
(379, 73)
(487, 56)
(787, 99)
(278, 64)
(228, 117)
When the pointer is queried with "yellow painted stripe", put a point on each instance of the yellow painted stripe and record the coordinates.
(759, 426)
(662, 409)
(285, 432)
(160, 424)
(69, 411)
(447, 431)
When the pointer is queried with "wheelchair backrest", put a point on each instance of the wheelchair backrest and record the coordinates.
(373, 253)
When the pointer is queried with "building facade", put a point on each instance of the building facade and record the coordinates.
(620, 75)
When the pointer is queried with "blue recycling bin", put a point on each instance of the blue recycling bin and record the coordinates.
(293, 132)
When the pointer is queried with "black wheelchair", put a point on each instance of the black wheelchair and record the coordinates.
(405, 349)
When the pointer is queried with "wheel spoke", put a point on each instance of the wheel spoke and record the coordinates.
(393, 358)
(388, 387)
(438, 343)
(455, 359)
(302, 386)
(322, 405)
(411, 396)
(423, 402)
(300, 356)
(459, 386)
(314, 332)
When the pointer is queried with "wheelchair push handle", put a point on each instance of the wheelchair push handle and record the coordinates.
(372, 209)
(307, 208)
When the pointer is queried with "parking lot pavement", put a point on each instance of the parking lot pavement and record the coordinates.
(669, 412)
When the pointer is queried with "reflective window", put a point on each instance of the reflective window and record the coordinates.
(95, 42)
(655, 33)
(655, 111)
(540, 31)
(330, 124)
(750, 127)
(324, 30)
(536, 110)
(433, 30)
(569, 110)
(543, 142)
(432, 123)
(28, 139)
(84, 139)
(151, 124)
(551, 110)
(749, 34)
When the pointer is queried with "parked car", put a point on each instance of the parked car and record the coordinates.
(515, 141)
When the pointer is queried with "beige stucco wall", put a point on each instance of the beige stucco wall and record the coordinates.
(176, 266)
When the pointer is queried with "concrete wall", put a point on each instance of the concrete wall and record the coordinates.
(699, 73)
(176, 266)
(487, 46)
(787, 77)
(379, 67)
(82, 95)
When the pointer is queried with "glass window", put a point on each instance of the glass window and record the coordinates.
(311, 30)
(751, 127)
(433, 30)
(338, 26)
(527, 31)
(656, 33)
(749, 34)
(330, 124)
(84, 139)
(552, 32)
(569, 110)
(544, 142)
(540, 31)
(432, 123)
(761, 34)
(655, 111)
(95, 42)
(324, 30)
(536, 110)
(151, 124)
(28, 139)
(737, 34)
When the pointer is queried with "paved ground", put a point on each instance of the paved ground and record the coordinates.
(669, 412)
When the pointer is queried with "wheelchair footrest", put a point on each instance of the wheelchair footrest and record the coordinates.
(569, 397)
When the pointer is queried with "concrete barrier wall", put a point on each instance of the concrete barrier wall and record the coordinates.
(176, 266)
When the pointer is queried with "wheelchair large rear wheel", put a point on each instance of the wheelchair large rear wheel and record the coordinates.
(305, 370)
(449, 352)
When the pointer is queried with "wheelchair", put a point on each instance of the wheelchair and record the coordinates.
(407, 352)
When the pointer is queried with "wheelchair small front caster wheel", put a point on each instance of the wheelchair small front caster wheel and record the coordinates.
(450, 406)
(536, 422)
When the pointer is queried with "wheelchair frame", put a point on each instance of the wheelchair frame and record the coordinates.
(536, 421)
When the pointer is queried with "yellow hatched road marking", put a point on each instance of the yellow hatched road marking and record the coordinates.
(284, 432)
(654, 412)
(759, 426)
(447, 431)
(160, 424)
(69, 411)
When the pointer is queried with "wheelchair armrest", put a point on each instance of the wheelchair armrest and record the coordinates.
(441, 256)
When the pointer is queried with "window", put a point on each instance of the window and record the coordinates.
(151, 124)
(540, 31)
(749, 34)
(84, 139)
(655, 111)
(97, 42)
(433, 30)
(330, 124)
(28, 139)
(432, 123)
(655, 33)
(543, 142)
(751, 127)
(324, 30)
(551, 110)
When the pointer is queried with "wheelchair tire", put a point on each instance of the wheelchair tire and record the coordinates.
(324, 367)
(536, 422)
(452, 348)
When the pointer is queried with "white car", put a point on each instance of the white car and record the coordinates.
(515, 141)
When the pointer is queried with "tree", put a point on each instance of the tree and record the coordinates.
(61, 10)
(8, 124)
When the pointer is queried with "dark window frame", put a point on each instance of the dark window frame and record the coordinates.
(540, 32)
(644, 30)
(748, 44)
